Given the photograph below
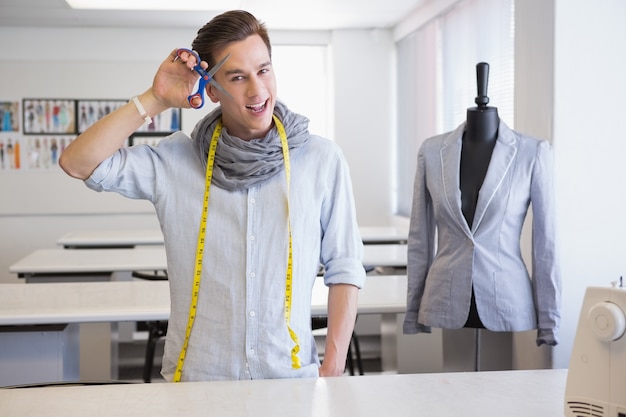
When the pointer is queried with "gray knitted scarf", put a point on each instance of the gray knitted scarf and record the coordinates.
(240, 164)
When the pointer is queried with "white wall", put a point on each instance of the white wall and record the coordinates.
(38, 207)
(533, 106)
(363, 122)
(590, 145)
(570, 89)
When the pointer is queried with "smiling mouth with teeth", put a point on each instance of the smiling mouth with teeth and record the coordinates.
(257, 108)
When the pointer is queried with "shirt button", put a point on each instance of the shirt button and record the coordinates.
(251, 351)
(252, 275)
(252, 314)
(252, 201)
(252, 237)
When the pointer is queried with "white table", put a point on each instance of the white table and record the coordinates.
(98, 264)
(98, 357)
(89, 264)
(128, 238)
(99, 239)
(470, 394)
(70, 303)
(85, 302)
(384, 235)
(385, 255)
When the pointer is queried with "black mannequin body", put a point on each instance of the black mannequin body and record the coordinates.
(479, 139)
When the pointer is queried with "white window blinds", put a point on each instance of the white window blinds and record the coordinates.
(436, 67)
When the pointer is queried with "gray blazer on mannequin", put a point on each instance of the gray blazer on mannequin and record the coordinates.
(445, 257)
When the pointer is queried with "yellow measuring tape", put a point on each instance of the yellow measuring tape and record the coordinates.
(295, 360)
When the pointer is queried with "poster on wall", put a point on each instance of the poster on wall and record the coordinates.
(145, 140)
(49, 116)
(20, 153)
(42, 152)
(9, 116)
(163, 123)
(10, 155)
(49, 125)
(90, 111)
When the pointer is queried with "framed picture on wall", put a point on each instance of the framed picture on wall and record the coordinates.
(90, 111)
(9, 116)
(145, 140)
(48, 116)
(162, 124)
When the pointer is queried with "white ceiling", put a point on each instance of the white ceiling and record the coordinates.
(277, 14)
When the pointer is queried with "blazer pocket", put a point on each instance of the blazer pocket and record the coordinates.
(514, 297)
(438, 292)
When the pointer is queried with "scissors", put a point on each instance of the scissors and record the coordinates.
(205, 77)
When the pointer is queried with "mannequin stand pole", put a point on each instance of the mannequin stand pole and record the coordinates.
(476, 350)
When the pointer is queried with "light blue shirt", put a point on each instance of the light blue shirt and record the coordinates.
(240, 330)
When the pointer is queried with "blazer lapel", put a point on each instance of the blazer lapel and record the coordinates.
(501, 159)
(450, 163)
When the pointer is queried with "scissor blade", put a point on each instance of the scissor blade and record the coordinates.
(213, 70)
(218, 65)
(219, 87)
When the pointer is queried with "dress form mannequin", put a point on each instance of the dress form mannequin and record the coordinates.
(473, 189)
(479, 139)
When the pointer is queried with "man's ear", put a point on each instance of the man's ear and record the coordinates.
(210, 92)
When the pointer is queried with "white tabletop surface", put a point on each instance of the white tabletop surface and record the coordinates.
(378, 234)
(58, 261)
(83, 302)
(394, 255)
(132, 237)
(469, 394)
(151, 258)
(104, 238)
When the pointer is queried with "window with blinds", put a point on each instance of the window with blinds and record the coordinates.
(436, 69)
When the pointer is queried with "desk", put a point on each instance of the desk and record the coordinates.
(99, 361)
(385, 255)
(83, 302)
(67, 331)
(89, 302)
(101, 239)
(384, 235)
(470, 394)
(128, 238)
(90, 264)
(70, 303)
(98, 264)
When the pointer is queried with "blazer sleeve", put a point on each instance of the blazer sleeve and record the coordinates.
(421, 246)
(545, 260)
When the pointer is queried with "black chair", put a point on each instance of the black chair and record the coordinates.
(156, 329)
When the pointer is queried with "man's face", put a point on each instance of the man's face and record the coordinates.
(249, 78)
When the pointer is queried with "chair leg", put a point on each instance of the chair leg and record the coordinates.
(149, 361)
(156, 330)
(357, 350)
(350, 361)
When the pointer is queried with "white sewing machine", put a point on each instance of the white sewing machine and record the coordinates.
(596, 380)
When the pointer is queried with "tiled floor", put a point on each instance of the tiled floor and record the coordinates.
(132, 354)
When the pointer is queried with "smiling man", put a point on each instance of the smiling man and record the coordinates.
(249, 209)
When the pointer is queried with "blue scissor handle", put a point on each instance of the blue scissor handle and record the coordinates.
(204, 78)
